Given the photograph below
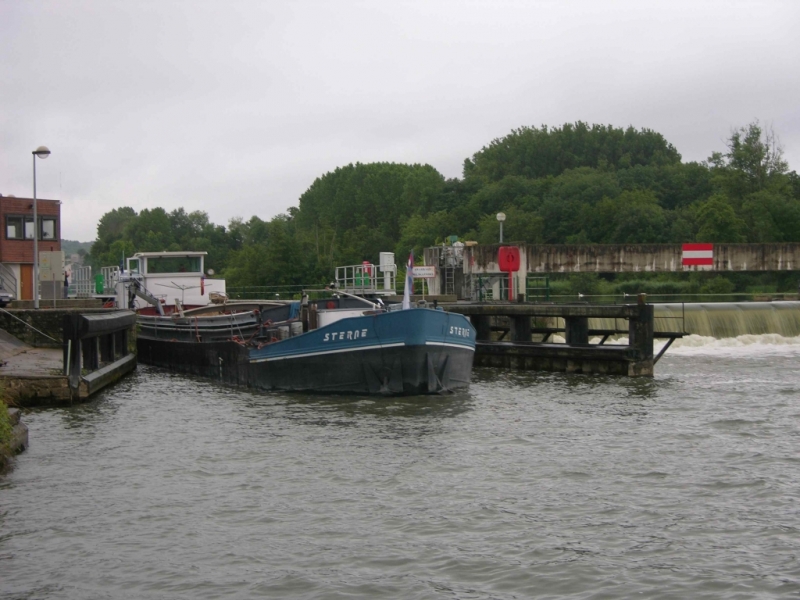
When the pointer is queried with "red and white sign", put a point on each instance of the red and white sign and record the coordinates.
(698, 255)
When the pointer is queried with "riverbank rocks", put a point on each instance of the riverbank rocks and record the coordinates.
(19, 433)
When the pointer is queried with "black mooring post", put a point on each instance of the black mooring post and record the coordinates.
(483, 327)
(72, 351)
(640, 332)
(577, 330)
(521, 329)
(68, 333)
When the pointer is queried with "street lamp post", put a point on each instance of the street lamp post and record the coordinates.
(501, 217)
(42, 152)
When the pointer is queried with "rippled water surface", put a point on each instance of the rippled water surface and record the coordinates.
(527, 486)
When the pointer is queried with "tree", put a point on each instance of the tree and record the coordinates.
(570, 196)
(633, 217)
(718, 222)
(151, 231)
(512, 190)
(754, 162)
(771, 217)
(271, 259)
(538, 152)
(110, 228)
(519, 226)
(419, 232)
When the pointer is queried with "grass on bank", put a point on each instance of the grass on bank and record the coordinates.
(5, 433)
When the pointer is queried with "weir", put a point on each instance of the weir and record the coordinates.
(721, 319)
(732, 319)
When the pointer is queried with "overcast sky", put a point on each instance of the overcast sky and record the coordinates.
(234, 107)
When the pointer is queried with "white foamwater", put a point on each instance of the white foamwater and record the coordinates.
(741, 345)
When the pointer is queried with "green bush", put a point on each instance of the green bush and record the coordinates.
(718, 285)
(762, 289)
(654, 287)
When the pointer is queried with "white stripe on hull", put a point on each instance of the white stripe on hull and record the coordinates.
(322, 352)
(343, 350)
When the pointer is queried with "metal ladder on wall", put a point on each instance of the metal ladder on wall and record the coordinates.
(449, 281)
(467, 287)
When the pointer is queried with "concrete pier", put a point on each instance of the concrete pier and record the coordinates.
(57, 357)
(32, 376)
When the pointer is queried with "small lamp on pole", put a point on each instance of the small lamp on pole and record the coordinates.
(501, 217)
(42, 152)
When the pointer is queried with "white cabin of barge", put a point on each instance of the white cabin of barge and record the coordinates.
(168, 276)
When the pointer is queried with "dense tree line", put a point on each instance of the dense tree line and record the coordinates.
(571, 184)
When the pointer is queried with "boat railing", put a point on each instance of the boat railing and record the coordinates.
(110, 278)
(338, 292)
(366, 278)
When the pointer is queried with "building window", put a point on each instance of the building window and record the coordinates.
(48, 230)
(21, 228)
(13, 228)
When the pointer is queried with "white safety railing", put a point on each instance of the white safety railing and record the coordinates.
(82, 281)
(110, 278)
(366, 278)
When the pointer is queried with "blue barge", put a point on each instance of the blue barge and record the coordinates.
(329, 346)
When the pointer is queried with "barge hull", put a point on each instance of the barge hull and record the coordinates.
(396, 370)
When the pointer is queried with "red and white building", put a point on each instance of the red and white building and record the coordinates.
(16, 241)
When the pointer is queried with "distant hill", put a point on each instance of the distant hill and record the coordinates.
(71, 247)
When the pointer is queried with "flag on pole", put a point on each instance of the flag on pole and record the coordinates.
(409, 287)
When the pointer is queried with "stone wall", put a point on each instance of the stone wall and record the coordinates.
(33, 391)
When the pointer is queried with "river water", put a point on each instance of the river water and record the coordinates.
(529, 485)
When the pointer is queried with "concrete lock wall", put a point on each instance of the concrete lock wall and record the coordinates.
(621, 258)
